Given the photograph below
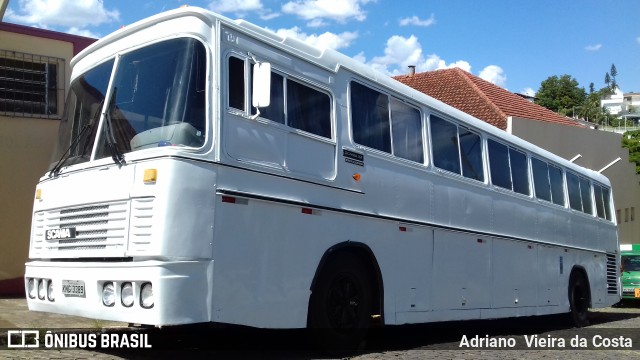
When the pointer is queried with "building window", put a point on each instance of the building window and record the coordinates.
(31, 85)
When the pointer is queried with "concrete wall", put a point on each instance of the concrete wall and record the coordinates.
(598, 149)
(26, 145)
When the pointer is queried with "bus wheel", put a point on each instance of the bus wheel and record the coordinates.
(579, 299)
(341, 304)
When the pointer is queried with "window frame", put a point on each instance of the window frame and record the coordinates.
(510, 148)
(248, 111)
(390, 100)
(462, 170)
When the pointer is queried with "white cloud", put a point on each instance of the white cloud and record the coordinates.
(494, 74)
(74, 14)
(241, 7)
(400, 52)
(324, 40)
(638, 40)
(360, 57)
(82, 32)
(595, 47)
(338, 10)
(269, 15)
(235, 6)
(316, 23)
(528, 91)
(415, 21)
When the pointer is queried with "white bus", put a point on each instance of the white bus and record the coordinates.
(341, 199)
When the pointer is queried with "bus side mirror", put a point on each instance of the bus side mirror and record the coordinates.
(261, 93)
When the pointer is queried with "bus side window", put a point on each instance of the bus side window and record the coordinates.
(444, 141)
(509, 168)
(471, 154)
(585, 191)
(308, 109)
(519, 172)
(541, 179)
(406, 129)
(370, 117)
(597, 192)
(557, 189)
(499, 164)
(575, 196)
(236, 83)
(603, 201)
(606, 197)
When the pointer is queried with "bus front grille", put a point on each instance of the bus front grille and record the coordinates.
(612, 274)
(98, 230)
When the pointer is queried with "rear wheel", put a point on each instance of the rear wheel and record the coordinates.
(341, 304)
(579, 299)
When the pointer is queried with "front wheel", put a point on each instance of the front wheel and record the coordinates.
(579, 299)
(341, 304)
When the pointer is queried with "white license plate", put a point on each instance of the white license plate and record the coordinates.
(73, 288)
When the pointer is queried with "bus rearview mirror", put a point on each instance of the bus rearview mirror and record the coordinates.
(261, 85)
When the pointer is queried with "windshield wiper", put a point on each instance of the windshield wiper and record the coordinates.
(116, 154)
(67, 154)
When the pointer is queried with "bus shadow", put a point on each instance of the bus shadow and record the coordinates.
(205, 341)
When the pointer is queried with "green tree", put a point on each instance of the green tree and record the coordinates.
(561, 94)
(614, 73)
(631, 141)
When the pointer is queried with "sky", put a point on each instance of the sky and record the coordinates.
(513, 44)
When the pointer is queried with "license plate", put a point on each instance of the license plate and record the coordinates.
(73, 288)
(59, 234)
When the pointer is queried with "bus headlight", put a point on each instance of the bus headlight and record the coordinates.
(146, 295)
(126, 294)
(31, 288)
(108, 294)
(50, 290)
(41, 289)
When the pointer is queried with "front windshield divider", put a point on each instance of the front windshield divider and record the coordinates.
(112, 145)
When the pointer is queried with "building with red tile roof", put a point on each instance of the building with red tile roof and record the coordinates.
(480, 98)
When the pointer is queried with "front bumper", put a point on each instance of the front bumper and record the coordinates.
(182, 290)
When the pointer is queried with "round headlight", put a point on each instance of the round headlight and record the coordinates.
(108, 294)
(126, 294)
(31, 288)
(146, 295)
(50, 290)
(42, 290)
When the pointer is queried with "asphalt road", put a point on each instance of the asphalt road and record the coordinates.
(614, 333)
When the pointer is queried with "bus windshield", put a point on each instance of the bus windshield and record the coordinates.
(157, 99)
(630, 263)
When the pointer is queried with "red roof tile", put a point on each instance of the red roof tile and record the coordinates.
(479, 98)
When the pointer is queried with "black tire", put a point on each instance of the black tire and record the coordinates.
(341, 304)
(579, 299)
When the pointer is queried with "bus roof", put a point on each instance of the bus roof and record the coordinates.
(332, 60)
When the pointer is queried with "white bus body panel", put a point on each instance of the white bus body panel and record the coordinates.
(235, 232)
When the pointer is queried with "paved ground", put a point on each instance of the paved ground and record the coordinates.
(435, 341)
